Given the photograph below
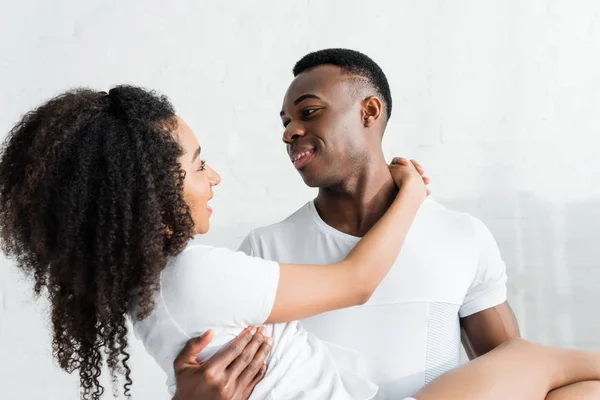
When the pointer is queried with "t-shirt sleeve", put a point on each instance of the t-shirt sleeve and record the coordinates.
(247, 246)
(488, 288)
(218, 288)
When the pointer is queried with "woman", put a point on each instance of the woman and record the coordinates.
(99, 196)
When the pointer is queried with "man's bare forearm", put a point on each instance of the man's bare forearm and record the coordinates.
(487, 329)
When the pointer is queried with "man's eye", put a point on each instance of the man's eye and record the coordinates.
(307, 112)
(202, 165)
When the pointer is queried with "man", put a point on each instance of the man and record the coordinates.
(449, 273)
(449, 277)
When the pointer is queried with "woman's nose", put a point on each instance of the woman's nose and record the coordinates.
(214, 178)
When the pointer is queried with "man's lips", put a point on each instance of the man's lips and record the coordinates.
(302, 157)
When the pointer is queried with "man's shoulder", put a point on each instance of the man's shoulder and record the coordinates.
(434, 220)
(443, 225)
(279, 241)
(291, 224)
(432, 215)
(435, 215)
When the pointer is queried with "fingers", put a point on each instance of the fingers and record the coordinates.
(233, 349)
(421, 171)
(191, 350)
(257, 363)
(399, 161)
(254, 382)
(417, 166)
(403, 161)
(248, 358)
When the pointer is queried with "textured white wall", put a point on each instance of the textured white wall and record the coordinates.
(499, 100)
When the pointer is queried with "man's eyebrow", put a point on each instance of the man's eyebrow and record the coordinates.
(304, 97)
(196, 153)
(300, 99)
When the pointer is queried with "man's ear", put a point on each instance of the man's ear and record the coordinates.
(372, 110)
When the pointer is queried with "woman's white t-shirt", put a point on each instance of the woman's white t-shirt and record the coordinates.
(215, 288)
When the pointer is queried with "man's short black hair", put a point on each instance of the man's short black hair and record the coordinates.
(351, 62)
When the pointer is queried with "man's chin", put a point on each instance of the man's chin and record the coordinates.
(312, 180)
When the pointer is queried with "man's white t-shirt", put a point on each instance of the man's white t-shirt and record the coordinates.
(408, 332)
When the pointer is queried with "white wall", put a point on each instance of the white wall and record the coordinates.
(499, 100)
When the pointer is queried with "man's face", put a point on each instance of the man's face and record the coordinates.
(324, 133)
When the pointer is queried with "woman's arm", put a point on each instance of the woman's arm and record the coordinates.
(306, 290)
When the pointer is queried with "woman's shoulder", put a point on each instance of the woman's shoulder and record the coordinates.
(198, 255)
(210, 262)
(194, 259)
(201, 250)
(216, 286)
(194, 273)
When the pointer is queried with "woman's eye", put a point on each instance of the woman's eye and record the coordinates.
(202, 165)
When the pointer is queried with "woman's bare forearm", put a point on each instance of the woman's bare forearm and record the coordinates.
(371, 259)
(305, 290)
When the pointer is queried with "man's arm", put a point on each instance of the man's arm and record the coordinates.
(486, 318)
(485, 330)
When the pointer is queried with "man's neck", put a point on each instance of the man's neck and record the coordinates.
(354, 206)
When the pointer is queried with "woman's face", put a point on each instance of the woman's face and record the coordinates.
(199, 178)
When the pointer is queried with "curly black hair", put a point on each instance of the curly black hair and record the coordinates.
(351, 62)
(91, 207)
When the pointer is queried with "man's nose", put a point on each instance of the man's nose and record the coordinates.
(292, 132)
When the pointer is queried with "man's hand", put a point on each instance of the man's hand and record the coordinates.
(231, 374)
